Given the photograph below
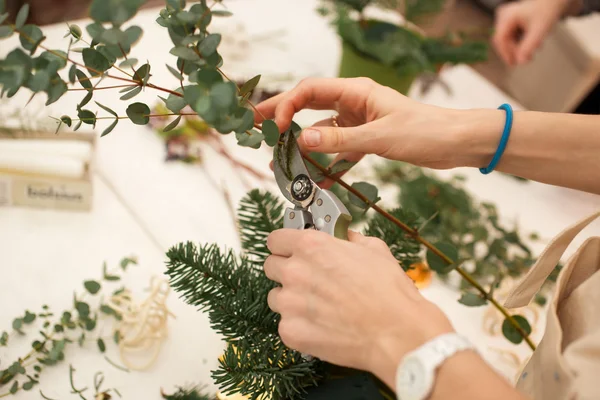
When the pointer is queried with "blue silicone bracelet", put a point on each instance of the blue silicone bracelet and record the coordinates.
(503, 140)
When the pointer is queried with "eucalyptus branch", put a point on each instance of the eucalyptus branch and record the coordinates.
(102, 88)
(416, 235)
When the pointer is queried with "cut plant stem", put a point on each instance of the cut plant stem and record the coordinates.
(415, 234)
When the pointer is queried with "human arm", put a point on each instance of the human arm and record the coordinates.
(558, 149)
(349, 303)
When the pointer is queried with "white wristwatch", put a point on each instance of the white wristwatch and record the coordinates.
(415, 376)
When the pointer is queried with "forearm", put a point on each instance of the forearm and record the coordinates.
(558, 149)
(464, 376)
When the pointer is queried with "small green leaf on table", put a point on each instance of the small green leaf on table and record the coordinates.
(101, 345)
(92, 287)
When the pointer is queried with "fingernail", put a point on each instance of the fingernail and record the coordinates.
(312, 137)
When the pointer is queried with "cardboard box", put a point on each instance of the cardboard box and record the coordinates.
(563, 71)
(44, 191)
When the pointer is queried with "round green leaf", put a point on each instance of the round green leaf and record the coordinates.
(252, 138)
(208, 77)
(17, 324)
(30, 37)
(367, 190)
(39, 82)
(29, 317)
(87, 117)
(5, 31)
(223, 95)
(511, 333)
(130, 62)
(138, 113)
(113, 36)
(437, 264)
(133, 34)
(83, 309)
(246, 117)
(271, 132)
(472, 300)
(209, 44)
(92, 287)
(14, 387)
(203, 105)
(175, 103)
(28, 385)
(22, 16)
(92, 58)
(95, 30)
(57, 88)
(184, 53)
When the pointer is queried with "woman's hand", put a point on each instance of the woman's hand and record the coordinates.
(372, 119)
(347, 302)
(522, 26)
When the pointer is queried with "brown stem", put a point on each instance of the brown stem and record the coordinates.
(103, 88)
(89, 69)
(224, 152)
(415, 234)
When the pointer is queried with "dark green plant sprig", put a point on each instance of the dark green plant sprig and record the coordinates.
(58, 330)
(188, 393)
(403, 48)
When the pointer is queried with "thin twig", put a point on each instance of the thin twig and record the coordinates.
(415, 234)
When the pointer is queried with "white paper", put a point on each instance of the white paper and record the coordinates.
(5, 191)
(74, 149)
(41, 164)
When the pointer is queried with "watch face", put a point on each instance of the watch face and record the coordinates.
(413, 382)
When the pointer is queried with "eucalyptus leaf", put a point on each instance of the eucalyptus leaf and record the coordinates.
(110, 128)
(132, 35)
(66, 120)
(223, 95)
(95, 30)
(367, 190)
(208, 77)
(83, 79)
(252, 139)
(142, 74)
(342, 166)
(95, 60)
(113, 36)
(175, 103)
(132, 93)
(437, 264)
(75, 31)
(208, 46)
(108, 110)
(101, 345)
(246, 117)
(511, 333)
(249, 85)
(30, 37)
(173, 124)
(39, 82)
(222, 13)
(138, 113)
(87, 117)
(192, 93)
(5, 31)
(175, 73)
(472, 300)
(4, 16)
(130, 62)
(271, 132)
(86, 99)
(185, 53)
(22, 16)
(56, 89)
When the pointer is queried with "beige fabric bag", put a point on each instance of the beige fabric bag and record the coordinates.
(566, 363)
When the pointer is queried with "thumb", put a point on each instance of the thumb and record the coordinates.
(325, 139)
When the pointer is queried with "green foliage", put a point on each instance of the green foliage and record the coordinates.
(437, 263)
(366, 189)
(271, 132)
(472, 300)
(403, 247)
(56, 333)
(401, 47)
(259, 214)
(234, 293)
(510, 332)
(191, 393)
(341, 166)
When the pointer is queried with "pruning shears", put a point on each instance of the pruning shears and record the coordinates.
(314, 208)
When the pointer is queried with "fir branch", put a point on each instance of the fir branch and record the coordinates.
(402, 245)
(259, 214)
(266, 371)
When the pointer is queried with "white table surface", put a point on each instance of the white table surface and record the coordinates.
(142, 205)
